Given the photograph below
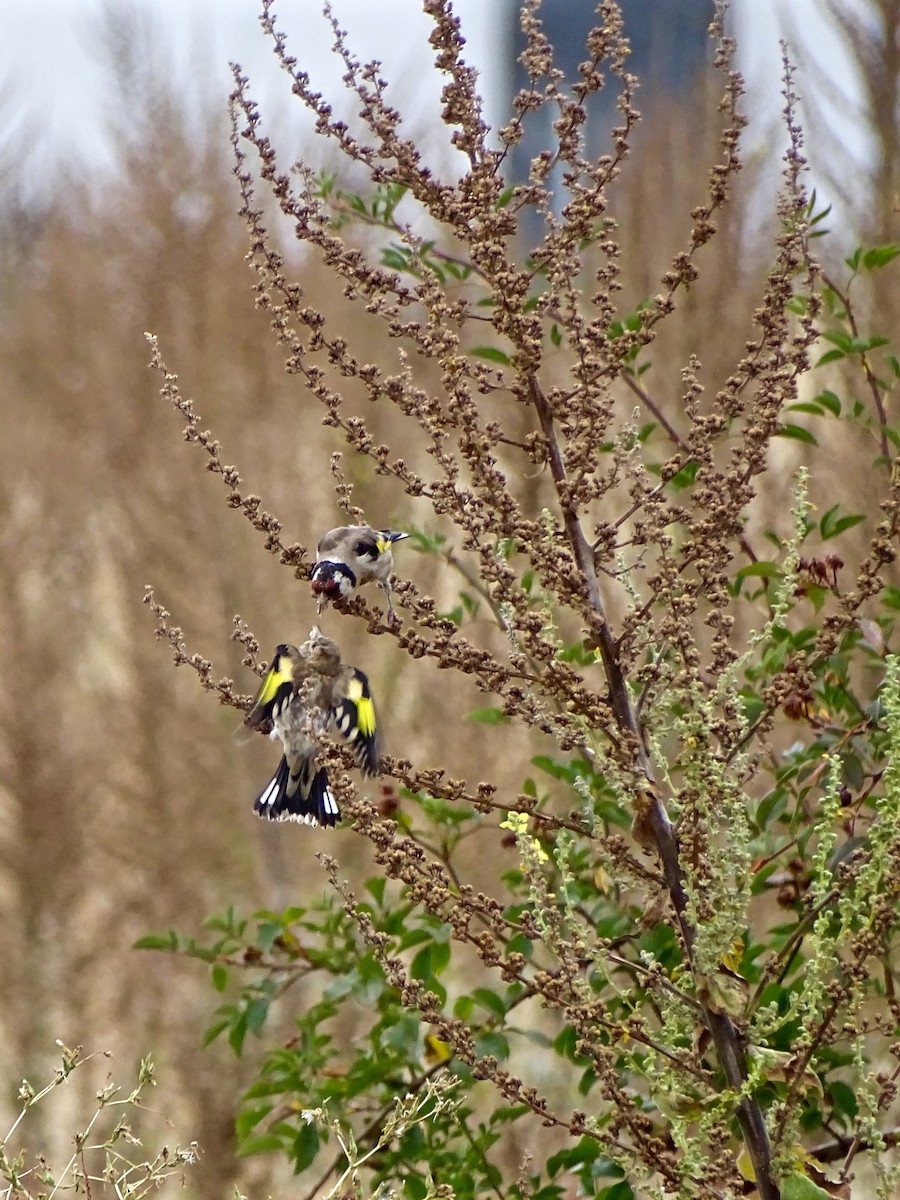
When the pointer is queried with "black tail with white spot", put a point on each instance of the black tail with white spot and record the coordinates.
(301, 794)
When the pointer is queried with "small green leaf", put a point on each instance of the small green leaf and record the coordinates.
(799, 1187)
(375, 887)
(217, 1028)
(157, 941)
(855, 258)
(440, 956)
(262, 1143)
(686, 476)
(219, 977)
(491, 354)
(490, 1000)
(798, 433)
(763, 570)
(306, 1146)
(880, 256)
(395, 260)
(555, 335)
(488, 716)
(806, 407)
(257, 1011)
(837, 337)
(831, 524)
(830, 401)
(830, 356)
(843, 1098)
(237, 1033)
(249, 1117)
(863, 345)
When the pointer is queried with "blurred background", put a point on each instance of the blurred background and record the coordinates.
(125, 794)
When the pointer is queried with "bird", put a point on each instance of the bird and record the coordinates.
(309, 688)
(351, 556)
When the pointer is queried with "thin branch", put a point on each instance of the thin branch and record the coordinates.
(649, 803)
(871, 378)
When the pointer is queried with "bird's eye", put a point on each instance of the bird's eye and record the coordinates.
(365, 549)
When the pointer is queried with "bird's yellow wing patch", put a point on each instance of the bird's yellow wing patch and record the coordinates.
(270, 685)
(358, 692)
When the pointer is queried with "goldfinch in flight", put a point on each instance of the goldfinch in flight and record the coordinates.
(351, 556)
(337, 700)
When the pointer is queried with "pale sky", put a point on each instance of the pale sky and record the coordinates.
(53, 74)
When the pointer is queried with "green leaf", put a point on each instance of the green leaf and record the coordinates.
(762, 569)
(262, 1143)
(799, 1187)
(219, 977)
(492, 1042)
(555, 335)
(807, 407)
(422, 966)
(306, 1146)
(257, 1011)
(837, 337)
(249, 1117)
(217, 1028)
(619, 1191)
(375, 887)
(855, 258)
(395, 260)
(880, 256)
(798, 433)
(440, 956)
(157, 941)
(830, 356)
(686, 476)
(843, 1098)
(491, 354)
(490, 1000)
(862, 345)
(831, 524)
(488, 716)
(577, 653)
(237, 1033)
(830, 401)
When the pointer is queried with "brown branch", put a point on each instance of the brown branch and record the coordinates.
(843, 1143)
(649, 804)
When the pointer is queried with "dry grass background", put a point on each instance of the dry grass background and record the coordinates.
(124, 794)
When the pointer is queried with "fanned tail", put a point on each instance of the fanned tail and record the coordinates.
(302, 795)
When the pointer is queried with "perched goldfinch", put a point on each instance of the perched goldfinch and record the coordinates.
(351, 556)
(337, 700)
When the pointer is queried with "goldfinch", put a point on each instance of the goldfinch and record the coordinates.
(337, 699)
(351, 556)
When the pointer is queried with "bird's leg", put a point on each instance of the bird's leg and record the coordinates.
(392, 618)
